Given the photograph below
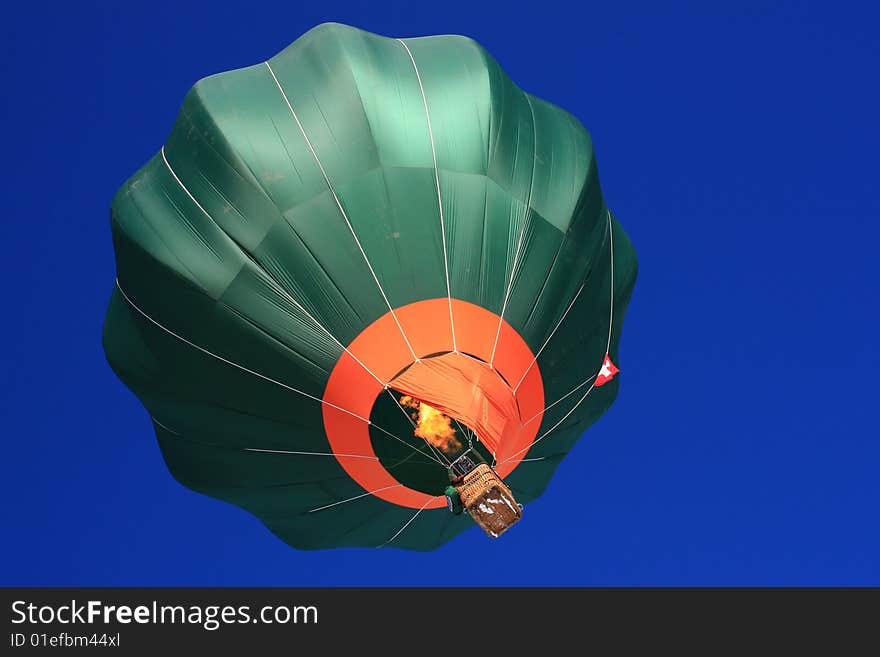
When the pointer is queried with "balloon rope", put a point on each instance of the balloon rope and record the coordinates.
(439, 196)
(265, 378)
(410, 420)
(325, 506)
(272, 451)
(593, 385)
(521, 232)
(342, 210)
(280, 287)
(281, 451)
(467, 433)
(408, 522)
(260, 450)
(570, 392)
(547, 341)
(352, 499)
(412, 447)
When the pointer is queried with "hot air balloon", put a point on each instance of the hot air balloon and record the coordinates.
(357, 266)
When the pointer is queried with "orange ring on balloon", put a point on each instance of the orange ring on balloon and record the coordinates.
(381, 348)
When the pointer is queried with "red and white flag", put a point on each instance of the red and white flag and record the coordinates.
(607, 372)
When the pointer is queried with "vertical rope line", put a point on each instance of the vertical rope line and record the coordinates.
(439, 196)
(341, 209)
(521, 233)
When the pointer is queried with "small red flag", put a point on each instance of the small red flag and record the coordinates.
(607, 372)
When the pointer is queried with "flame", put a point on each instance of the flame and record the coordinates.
(432, 425)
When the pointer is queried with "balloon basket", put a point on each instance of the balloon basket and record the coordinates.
(488, 500)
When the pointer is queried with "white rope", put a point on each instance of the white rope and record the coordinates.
(570, 392)
(611, 311)
(182, 186)
(465, 430)
(553, 428)
(439, 197)
(279, 287)
(292, 300)
(285, 451)
(521, 233)
(171, 431)
(409, 522)
(402, 409)
(607, 347)
(229, 362)
(436, 451)
(274, 451)
(549, 337)
(570, 305)
(266, 378)
(385, 431)
(341, 209)
(356, 497)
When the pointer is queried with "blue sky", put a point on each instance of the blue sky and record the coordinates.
(736, 144)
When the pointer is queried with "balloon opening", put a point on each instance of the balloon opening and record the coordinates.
(487, 383)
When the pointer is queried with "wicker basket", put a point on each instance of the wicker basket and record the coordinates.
(488, 500)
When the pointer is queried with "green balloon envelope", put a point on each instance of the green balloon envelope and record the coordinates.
(354, 214)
